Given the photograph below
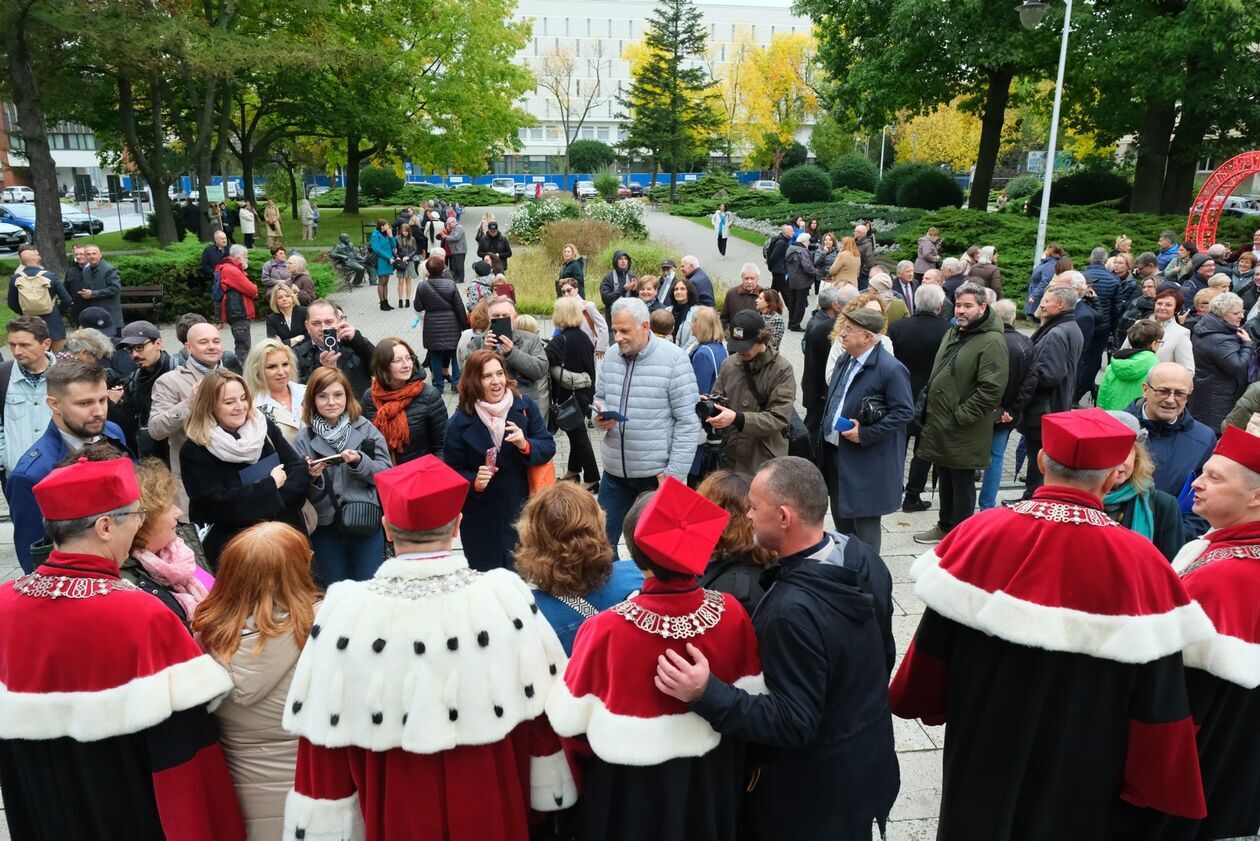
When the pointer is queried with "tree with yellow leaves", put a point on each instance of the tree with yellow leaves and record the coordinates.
(781, 91)
(946, 135)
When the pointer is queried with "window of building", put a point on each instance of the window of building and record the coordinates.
(522, 133)
(588, 132)
(536, 133)
(553, 132)
(601, 132)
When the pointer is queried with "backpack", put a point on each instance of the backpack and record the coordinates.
(216, 287)
(505, 289)
(765, 249)
(34, 292)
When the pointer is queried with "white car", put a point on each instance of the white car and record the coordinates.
(20, 194)
(506, 186)
(765, 186)
(1241, 206)
(11, 237)
(586, 190)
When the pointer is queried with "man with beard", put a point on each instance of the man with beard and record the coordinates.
(143, 341)
(79, 401)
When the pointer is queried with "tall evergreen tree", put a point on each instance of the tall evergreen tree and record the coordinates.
(671, 107)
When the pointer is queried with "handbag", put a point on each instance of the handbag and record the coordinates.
(540, 476)
(568, 414)
(872, 409)
(920, 400)
(358, 519)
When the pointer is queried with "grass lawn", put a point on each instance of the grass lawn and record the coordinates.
(739, 233)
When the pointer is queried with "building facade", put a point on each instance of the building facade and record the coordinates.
(75, 151)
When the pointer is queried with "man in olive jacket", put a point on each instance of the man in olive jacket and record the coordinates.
(965, 388)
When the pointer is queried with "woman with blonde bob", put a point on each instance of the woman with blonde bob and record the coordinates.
(269, 373)
(255, 622)
(1137, 504)
(238, 469)
(287, 320)
(564, 555)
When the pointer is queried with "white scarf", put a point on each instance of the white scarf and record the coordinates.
(243, 448)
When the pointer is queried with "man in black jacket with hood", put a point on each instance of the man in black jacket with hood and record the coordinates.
(776, 259)
(618, 283)
(826, 648)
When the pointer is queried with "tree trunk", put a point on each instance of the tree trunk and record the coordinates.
(293, 189)
(246, 157)
(353, 160)
(673, 180)
(995, 100)
(163, 214)
(1183, 161)
(50, 238)
(203, 184)
(1153, 138)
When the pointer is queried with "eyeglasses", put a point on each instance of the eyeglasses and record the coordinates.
(143, 512)
(139, 347)
(1165, 393)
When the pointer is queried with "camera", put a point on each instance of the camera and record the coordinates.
(709, 407)
(331, 343)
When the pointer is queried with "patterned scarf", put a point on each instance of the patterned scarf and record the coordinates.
(337, 435)
(391, 412)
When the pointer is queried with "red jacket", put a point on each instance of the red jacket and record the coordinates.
(239, 292)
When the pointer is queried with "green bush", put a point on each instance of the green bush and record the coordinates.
(805, 183)
(416, 194)
(589, 236)
(135, 234)
(930, 189)
(607, 183)
(1022, 186)
(1089, 187)
(851, 195)
(529, 218)
(590, 155)
(377, 183)
(626, 215)
(855, 171)
(893, 178)
(794, 155)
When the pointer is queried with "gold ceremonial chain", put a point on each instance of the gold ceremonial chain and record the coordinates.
(1063, 512)
(675, 627)
(68, 587)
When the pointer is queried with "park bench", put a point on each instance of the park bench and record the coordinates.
(137, 300)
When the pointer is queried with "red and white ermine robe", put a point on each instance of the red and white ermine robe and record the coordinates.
(1051, 650)
(419, 702)
(105, 732)
(658, 770)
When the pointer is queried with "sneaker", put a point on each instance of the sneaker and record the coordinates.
(931, 536)
(912, 504)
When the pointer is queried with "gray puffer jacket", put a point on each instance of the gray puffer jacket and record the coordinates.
(656, 391)
(348, 484)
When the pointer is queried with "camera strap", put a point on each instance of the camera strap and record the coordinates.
(761, 399)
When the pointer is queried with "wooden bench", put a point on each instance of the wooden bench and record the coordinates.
(141, 299)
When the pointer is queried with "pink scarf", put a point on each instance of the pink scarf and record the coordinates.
(175, 567)
(494, 416)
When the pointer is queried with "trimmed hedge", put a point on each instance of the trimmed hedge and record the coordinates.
(416, 194)
(856, 172)
(886, 192)
(1022, 186)
(930, 190)
(805, 183)
(1090, 187)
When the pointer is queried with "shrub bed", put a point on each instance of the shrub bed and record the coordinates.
(590, 236)
(930, 189)
(892, 179)
(414, 194)
(856, 172)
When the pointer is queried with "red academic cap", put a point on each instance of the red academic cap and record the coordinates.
(1242, 447)
(679, 528)
(86, 488)
(1086, 439)
(422, 494)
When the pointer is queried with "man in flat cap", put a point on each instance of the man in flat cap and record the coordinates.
(418, 698)
(1051, 651)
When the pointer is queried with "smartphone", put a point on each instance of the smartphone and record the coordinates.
(501, 327)
(331, 342)
(492, 458)
(332, 459)
(612, 415)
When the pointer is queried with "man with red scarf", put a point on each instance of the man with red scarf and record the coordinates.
(1051, 650)
(1222, 573)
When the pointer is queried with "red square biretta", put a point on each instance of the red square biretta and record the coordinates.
(679, 528)
(1086, 439)
(86, 488)
(1242, 447)
(422, 494)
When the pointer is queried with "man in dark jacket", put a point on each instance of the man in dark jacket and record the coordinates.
(816, 346)
(742, 297)
(1107, 300)
(618, 283)
(699, 279)
(1041, 277)
(865, 242)
(915, 342)
(801, 274)
(1202, 267)
(213, 255)
(494, 243)
(1048, 385)
(74, 281)
(344, 347)
(776, 259)
(143, 341)
(102, 287)
(826, 651)
(1019, 351)
(192, 218)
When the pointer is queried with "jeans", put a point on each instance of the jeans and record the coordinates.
(240, 334)
(338, 557)
(440, 360)
(616, 495)
(958, 495)
(993, 474)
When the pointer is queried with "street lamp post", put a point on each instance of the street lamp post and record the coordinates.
(1030, 14)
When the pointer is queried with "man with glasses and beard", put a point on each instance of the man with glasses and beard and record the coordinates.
(143, 341)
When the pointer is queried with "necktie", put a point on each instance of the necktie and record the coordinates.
(909, 296)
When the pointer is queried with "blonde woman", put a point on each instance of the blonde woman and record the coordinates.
(571, 357)
(300, 279)
(593, 323)
(271, 374)
(848, 262)
(287, 320)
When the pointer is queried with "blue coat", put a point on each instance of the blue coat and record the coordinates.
(1037, 283)
(565, 621)
(866, 479)
(383, 248)
(33, 466)
(489, 528)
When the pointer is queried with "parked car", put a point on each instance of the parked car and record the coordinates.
(23, 215)
(82, 223)
(317, 190)
(1241, 206)
(11, 237)
(630, 190)
(765, 185)
(550, 188)
(18, 194)
(584, 189)
(504, 185)
(518, 189)
(463, 185)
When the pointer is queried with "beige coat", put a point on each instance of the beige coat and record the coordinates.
(845, 268)
(261, 756)
(168, 415)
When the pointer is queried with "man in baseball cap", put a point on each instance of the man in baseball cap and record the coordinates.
(138, 333)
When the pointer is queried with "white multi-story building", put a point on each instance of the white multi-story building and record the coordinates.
(595, 34)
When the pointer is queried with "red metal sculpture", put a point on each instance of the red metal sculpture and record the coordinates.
(1205, 213)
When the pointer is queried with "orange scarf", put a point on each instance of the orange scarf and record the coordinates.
(391, 412)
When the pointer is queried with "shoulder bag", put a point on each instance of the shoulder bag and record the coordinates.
(795, 432)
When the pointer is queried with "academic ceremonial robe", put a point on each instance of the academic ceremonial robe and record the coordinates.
(1051, 650)
(418, 701)
(1222, 573)
(658, 771)
(104, 728)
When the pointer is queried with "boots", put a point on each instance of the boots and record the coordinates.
(385, 306)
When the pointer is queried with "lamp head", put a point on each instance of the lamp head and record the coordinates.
(1031, 12)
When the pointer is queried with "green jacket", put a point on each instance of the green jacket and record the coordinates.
(1246, 406)
(1122, 381)
(966, 386)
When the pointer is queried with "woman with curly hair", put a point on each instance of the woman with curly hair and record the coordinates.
(738, 560)
(564, 555)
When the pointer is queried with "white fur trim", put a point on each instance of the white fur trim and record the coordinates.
(631, 740)
(1228, 658)
(1188, 554)
(1123, 639)
(323, 820)
(551, 785)
(436, 699)
(121, 710)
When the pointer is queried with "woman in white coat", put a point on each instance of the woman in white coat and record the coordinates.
(721, 226)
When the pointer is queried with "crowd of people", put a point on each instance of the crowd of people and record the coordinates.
(283, 591)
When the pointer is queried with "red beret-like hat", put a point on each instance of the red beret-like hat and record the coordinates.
(1086, 439)
(1242, 447)
(679, 528)
(86, 488)
(422, 494)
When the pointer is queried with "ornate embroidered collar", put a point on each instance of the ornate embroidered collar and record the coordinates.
(422, 575)
(1063, 512)
(689, 625)
(1221, 553)
(42, 586)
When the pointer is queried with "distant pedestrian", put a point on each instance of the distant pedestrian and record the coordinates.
(271, 216)
(721, 226)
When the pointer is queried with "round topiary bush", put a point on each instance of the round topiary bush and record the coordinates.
(805, 183)
(930, 189)
(794, 155)
(1022, 186)
(893, 178)
(1089, 187)
(855, 171)
(376, 183)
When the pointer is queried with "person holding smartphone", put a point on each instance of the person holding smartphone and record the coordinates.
(522, 353)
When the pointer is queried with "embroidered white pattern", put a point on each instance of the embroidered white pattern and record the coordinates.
(68, 587)
(1220, 554)
(675, 627)
(423, 588)
(1063, 512)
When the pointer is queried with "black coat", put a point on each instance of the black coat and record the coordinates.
(817, 345)
(1020, 351)
(445, 317)
(278, 328)
(572, 350)
(835, 771)
(426, 422)
(355, 361)
(216, 496)
(776, 254)
(495, 245)
(211, 257)
(915, 342)
(1221, 361)
(1050, 380)
(1169, 531)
